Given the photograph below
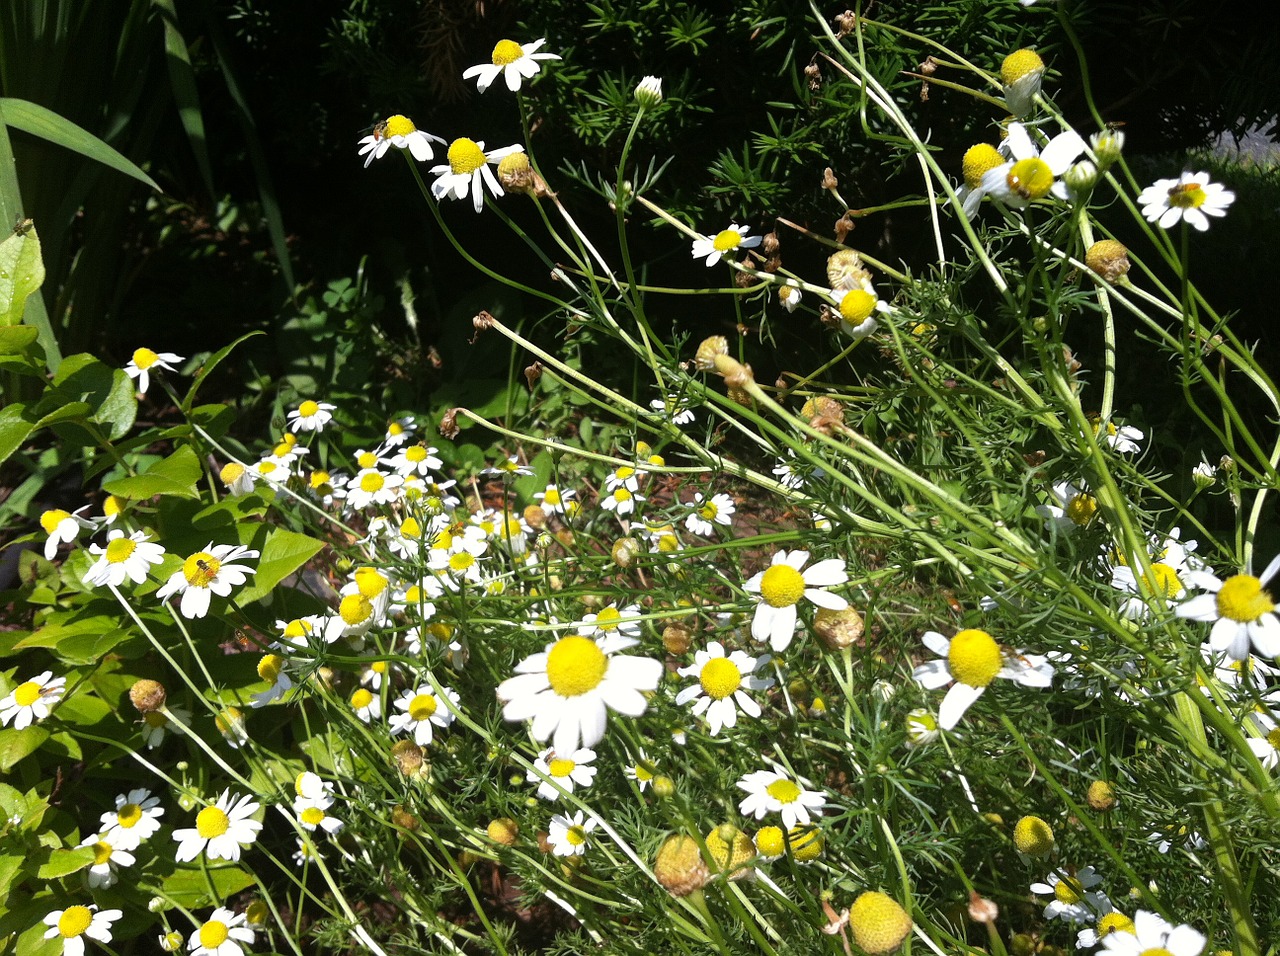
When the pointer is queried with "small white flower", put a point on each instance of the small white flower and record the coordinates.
(1072, 507)
(922, 727)
(1072, 900)
(611, 620)
(1151, 934)
(1191, 198)
(468, 171)
(221, 829)
(568, 835)
(707, 514)
(63, 527)
(770, 791)
(721, 685)
(367, 705)
(674, 407)
(515, 61)
(724, 243)
(207, 572)
(1032, 174)
(157, 724)
(123, 557)
(422, 710)
(781, 587)
(970, 661)
(857, 309)
(311, 416)
(143, 361)
(31, 701)
(555, 499)
(221, 935)
(369, 486)
(1123, 439)
(568, 771)
(1267, 746)
(1242, 612)
(135, 818)
(621, 500)
(789, 295)
(397, 131)
(76, 922)
(399, 432)
(510, 467)
(417, 459)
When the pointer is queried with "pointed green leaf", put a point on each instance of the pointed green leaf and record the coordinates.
(16, 744)
(176, 475)
(14, 429)
(62, 862)
(119, 410)
(190, 888)
(21, 274)
(47, 124)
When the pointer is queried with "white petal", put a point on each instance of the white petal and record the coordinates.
(832, 602)
(783, 628)
(957, 701)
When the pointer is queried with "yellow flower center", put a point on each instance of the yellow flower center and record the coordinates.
(977, 161)
(266, 467)
(726, 240)
(27, 694)
(423, 707)
(361, 698)
(355, 609)
(101, 852)
(145, 358)
(607, 620)
(370, 583)
(155, 720)
(1030, 178)
(399, 126)
(1156, 951)
(1081, 508)
(879, 924)
(720, 677)
(506, 51)
(1242, 599)
(974, 658)
(416, 453)
(462, 561)
(120, 550)
(784, 791)
(560, 767)
(231, 472)
(51, 519)
(709, 511)
(1187, 196)
(297, 628)
(372, 482)
(270, 666)
(856, 306)
(1020, 63)
(1068, 890)
(1164, 580)
(213, 934)
(129, 815)
(621, 494)
(112, 506)
(576, 836)
(212, 822)
(366, 460)
(551, 497)
(465, 157)
(395, 430)
(282, 449)
(1273, 738)
(806, 843)
(770, 841)
(308, 408)
(782, 586)
(1114, 923)
(200, 569)
(74, 921)
(624, 472)
(575, 665)
(312, 816)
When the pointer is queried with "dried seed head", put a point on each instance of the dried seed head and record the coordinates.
(1109, 259)
(679, 866)
(147, 696)
(705, 359)
(838, 629)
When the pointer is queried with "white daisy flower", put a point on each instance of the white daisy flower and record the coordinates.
(857, 309)
(1110, 922)
(207, 572)
(1241, 611)
(367, 705)
(642, 771)
(611, 620)
(769, 791)
(510, 467)
(789, 296)
(621, 500)
(157, 724)
(369, 486)
(1021, 72)
(674, 407)
(468, 171)
(648, 92)
(978, 160)
(143, 361)
(1123, 439)
(1073, 901)
(724, 243)
(313, 814)
(1032, 174)
(422, 710)
(972, 660)
(722, 683)
(135, 818)
(1072, 507)
(63, 527)
(417, 459)
(707, 514)
(237, 478)
(31, 701)
(569, 689)
(221, 935)
(568, 835)
(272, 668)
(624, 476)
(922, 727)
(399, 432)
(1190, 198)
(515, 61)
(124, 557)
(567, 772)
(311, 416)
(221, 830)
(1151, 934)
(1267, 746)
(397, 131)
(76, 922)
(781, 587)
(107, 859)
(272, 470)
(553, 498)
(1232, 673)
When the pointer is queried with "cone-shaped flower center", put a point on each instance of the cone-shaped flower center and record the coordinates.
(129, 815)
(1187, 196)
(361, 698)
(372, 482)
(1114, 923)
(101, 852)
(355, 609)
(200, 569)
(212, 822)
(782, 586)
(1030, 178)
(74, 921)
(506, 51)
(396, 126)
(784, 791)
(576, 836)
(726, 240)
(27, 694)
(213, 934)
(308, 408)
(1020, 63)
(465, 156)
(720, 677)
(423, 707)
(856, 306)
(120, 549)
(1068, 890)
(145, 358)
(607, 620)
(575, 665)
(370, 582)
(270, 666)
(51, 519)
(977, 160)
(974, 658)
(1242, 599)
(560, 767)
(1081, 508)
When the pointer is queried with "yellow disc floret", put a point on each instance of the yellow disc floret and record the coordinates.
(720, 677)
(1242, 599)
(977, 161)
(974, 658)
(506, 51)
(465, 156)
(856, 306)
(879, 924)
(397, 126)
(575, 665)
(1033, 836)
(1020, 63)
(74, 921)
(782, 586)
(211, 822)
(727, 240)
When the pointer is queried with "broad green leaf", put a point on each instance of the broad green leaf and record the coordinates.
(120, 408)
(190, 888)
(10, 867)
(51, 635)
(21, 274)
(62, 862)
(83, 709)
(284, 552)
(16, 744)
(70, 411)
(212, 362)
(14, 429)
(17, 339)
(47, 124)
(176, 476)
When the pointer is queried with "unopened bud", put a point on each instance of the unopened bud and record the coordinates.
(838, 629)
(503, 830)
(705, 358)
(625, 551)
(648, 92)
(1107, 146)
(1033, 836)
(1101, 796)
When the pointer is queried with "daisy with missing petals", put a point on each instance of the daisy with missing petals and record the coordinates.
(611, 620)
(781, 587)
(31, 701)
(568, 835)
(76, 922)
(397, 131)
(135, 818)
(724, 243)
(1032, 174)
(1241, 611)
(63, 527)
(123, 557)
(1266, 746)
(143, 361)
(569, 689)
(709, 513)
(857, 310)
(972, 660)
(1151, 934)
(468, 171)
(1191, 198)
(515, 61)
(310, 416)
(1072, 507)
(107, 859)
(1072, 900)
(221, 935)
(772, 792)
(421, 710)
(207, 572)
(1021, 73)
(567, 772)
(722, 682)
(221, 830)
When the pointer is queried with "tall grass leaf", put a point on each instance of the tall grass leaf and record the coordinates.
(183, 81)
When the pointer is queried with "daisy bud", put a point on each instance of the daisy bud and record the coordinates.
(147, 696)
(1109, 259)
(676, 639)
(171, 942)
(256, 913)
(679, 866)
(504, 830)
(1204, 475)
(730, 850)
(664, 787)
(648, 92)
(1033, 836)
(982, 910)
(1106, 146)
(829, 180)
(1101, 796)
(879, 924)
(838, 629)
(157, 904)
(1081, 177)
(230, 724)
(705, 358)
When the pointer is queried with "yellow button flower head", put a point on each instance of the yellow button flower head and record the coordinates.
(1021, 72)
(515, 61)
(143, 361)
(679, 866)
(1033, 836)
(879, 924)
